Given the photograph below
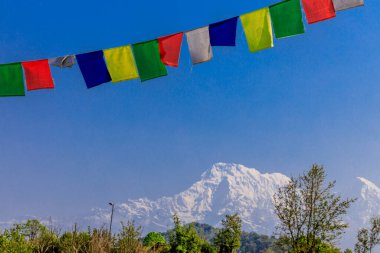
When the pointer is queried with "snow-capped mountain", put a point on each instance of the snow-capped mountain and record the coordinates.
(369, 201)
(224, 189)
(227, 189)
(366, 206)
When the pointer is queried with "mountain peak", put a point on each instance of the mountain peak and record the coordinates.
(368, 184)
(369, 190)
(219, 170)
(225, 188)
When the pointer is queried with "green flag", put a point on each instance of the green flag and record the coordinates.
(287, 18)
(148, 60)
(11, 80)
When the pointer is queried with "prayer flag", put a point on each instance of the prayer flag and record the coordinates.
(63, 62)
(258, 29)
(148, 61)
(11, 80)
(199, 45)
(318, 10)
(170, 49)
(38, 75)
(121, 64)
(93, 68)
(223, 33)
(341, 5)
(287, 18)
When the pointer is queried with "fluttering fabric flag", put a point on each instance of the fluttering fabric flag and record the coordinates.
(11, 80)
(170, 49)
(287, 18)
(148, 61)
(199, 45)
(121, 64)
(93, 68)
(258, 29)
(223, 33)
(318, 10)
(63, 62)
(341, 5)
(38, 75)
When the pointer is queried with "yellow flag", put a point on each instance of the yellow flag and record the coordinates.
(258, 29)
(121, 64)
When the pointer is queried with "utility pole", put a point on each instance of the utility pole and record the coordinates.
(112, 209)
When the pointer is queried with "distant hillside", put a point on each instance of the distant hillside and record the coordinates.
(251, 242)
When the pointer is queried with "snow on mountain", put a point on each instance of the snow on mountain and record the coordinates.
(224, 189)
(370, 195)
(367, 205)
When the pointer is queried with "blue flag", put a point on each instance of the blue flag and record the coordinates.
(223, 33)
(93, 68)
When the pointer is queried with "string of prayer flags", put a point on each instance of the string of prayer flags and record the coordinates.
(258, 29)
(93, 68)
(287, 18)
(199, 45)
(170, 49)
(38, 75)
(318, 10)
(63, 62)
(341, 5)
(223, 33)
(121, 64)
(148, 61)
(11, 80)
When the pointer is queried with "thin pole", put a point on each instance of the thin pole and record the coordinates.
(112, 208)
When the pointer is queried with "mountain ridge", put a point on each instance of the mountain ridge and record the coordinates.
(224, 189)
(228, 188)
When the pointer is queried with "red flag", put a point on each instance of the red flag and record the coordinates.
(170, 49)
(318, 10)
(38, 75)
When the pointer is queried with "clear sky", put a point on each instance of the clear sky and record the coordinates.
(313, 98)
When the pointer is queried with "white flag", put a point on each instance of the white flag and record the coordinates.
(199, 45)
(341, 5)
(63, 62)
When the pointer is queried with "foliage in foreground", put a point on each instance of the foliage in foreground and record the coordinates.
(310, 213)
(368, 239)
(33, 237)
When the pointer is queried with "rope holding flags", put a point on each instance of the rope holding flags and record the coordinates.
(148, 60)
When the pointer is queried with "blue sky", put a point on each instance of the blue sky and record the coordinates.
(313, 98)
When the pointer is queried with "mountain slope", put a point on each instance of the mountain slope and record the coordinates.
(224, 189)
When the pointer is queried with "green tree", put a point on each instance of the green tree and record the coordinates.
(34, 236)
(154, 241)
(228, 238)
(13, 241)
(75, 242)
(185, 239)
(310, 212)
(128, 240)
(367, 239)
